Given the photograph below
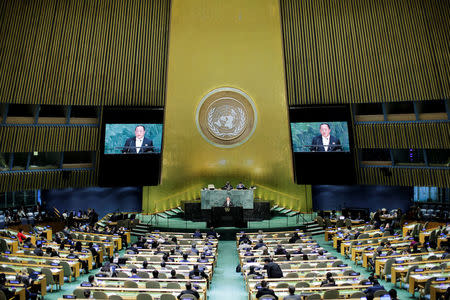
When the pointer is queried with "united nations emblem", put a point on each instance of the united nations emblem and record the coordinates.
(226, 117)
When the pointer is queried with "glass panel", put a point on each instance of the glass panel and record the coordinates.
(369, 109)
(84, 112)
(375, 155)
(406, 107)
(4, 161)
(438, 157)
(52, 111)
(408, 156)
(77, 157)
(21, 110)
(435, 106)
(20, 161)
(45, 160)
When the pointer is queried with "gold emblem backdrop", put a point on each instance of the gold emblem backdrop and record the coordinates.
(214, 44)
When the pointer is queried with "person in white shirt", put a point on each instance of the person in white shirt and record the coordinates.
(325, 142)
(139, 143)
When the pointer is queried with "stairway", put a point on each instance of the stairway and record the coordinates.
(313, 228)
(141, 230)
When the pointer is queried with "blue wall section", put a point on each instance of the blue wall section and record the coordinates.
(328, 197)
(103, 200)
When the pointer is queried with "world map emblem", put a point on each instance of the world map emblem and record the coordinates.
(226, 117)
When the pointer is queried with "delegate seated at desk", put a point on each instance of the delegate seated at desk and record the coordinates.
(241, 186)
(228, 203)
(227, 186)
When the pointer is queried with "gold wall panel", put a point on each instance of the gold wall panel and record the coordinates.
(213, 44)
(48, 138)
(366, 51)
(425, 135)
(404, 177)
(103, 52)
(24, 181)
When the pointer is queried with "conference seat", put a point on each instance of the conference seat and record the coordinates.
(143, 296)
(100, 295)
(332, 294)
(380, 293)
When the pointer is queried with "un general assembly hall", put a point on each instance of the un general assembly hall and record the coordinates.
(225, 149)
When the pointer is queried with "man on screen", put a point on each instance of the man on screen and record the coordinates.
(325, 142)
(138, 144)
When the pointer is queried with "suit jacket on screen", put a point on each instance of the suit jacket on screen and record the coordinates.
(130, 146)
(317, 145)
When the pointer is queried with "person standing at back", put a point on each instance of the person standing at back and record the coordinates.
(272, 268)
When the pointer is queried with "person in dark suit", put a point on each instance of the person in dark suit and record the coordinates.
(273, 269)
(228, 203)
(376, 287)
(241, 186)
(227, 186)
(189, 290)
(138, 144)
(38, 250)
(325, 142)
(264, 290)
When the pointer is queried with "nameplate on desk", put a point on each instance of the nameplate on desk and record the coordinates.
(354, 274)
(14, 281)
(418, 270)
(54, 264)
(86, 284)
(69, 297)
(367, 283)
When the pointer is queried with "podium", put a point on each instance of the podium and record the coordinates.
(227, 217)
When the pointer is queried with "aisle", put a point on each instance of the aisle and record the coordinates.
(226, 283)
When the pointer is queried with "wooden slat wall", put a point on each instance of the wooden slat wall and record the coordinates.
(48, 138)
(22, 181)
(404, 177)
(427, 135)
(83, 52)
(366, 51)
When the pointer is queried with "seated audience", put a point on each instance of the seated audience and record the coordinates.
(189, 290)
(264, 290)
(292, 295)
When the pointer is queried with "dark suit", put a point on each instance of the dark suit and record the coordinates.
(371, 290)
(229, 204)
(317, 145)
(265, 291)
(191, 292)
(273, 270)
(130, 146)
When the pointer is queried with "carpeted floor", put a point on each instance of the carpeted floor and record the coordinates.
(226, 283)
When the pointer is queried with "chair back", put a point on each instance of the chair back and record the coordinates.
(130, 284)
(143, 296)
(100, 295)
(152, 285)
(379, 293)
(331, 294)
(79, 293)
(167, 297)
(173, 285)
